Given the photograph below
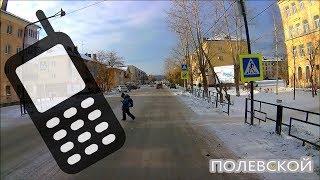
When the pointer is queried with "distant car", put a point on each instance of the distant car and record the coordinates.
(159, 86)
(173, 86)
(122, 88)
(132, 86)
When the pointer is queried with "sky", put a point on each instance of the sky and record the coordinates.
(137, 30)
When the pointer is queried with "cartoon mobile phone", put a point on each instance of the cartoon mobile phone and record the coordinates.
(64, 101)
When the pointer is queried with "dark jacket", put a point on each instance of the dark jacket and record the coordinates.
(126, 102)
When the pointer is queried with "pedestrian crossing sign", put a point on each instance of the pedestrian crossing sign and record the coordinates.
(251, 67)
(184, 74)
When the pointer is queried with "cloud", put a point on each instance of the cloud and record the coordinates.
(129, 27)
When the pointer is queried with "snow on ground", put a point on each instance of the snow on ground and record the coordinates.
(259, 141)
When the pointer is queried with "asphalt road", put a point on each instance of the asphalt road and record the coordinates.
(160, 144)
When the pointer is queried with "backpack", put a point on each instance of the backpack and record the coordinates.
(130, 102)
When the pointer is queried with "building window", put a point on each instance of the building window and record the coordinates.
(301, 50)
(287, 10)
(8, 90)
(299, 73)
(316, 21)
(294, 8)
(294, 51)
(298, 29)
(301, 4)
(9, 29)
(309, 48)
(290, 31)
(20, 33)
(8, 49)
(305, 26)
(19, 49)
(307, 73)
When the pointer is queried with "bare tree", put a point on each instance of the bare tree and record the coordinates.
(185, 18)
(110, 58)
(313, 55)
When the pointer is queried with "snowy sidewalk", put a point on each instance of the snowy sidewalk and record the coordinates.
(258, 141)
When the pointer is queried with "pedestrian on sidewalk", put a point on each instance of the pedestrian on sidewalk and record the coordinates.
(127, 102)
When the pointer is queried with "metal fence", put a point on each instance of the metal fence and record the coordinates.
(280, 120)
(214, 98)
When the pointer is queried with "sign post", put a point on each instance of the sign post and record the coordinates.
(184, 74)
(251, 70)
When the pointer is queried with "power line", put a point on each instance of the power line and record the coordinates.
(93, 4)
(216, 22)
(255, 16)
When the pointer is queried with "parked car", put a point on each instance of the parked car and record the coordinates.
(122, 88)
(159, 86)
(173, 86)
(132, 86)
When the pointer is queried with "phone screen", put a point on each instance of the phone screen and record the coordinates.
(50, 78)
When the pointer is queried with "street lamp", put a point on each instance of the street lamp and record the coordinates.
(60, 13)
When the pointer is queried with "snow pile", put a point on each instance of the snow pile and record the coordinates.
(260, 141)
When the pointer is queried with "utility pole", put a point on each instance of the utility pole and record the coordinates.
(276, 52)
(243, 11)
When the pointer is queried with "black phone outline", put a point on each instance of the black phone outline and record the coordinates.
(39, 119)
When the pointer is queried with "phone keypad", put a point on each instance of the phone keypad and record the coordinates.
(53, 122)
(70, 112)
(77, 124)
(60, 134)
(94, 115)
(74, 159)
(108, 139)
(91, 149)
(66, 147)
(101, 127)
(87, 102)
(83, 137)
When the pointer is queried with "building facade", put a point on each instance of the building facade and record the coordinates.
(136, 75)
(301, 23)
(270, 69)
(220, 54)
(12, 33)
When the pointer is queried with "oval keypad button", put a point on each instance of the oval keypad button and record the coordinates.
(77, 124)
(60, 134)
(101, 127)
(108, 139)
(94, 115)
(53, 122)
(66, 147)
(70, 112)
(74, 159)
(87, 102)
(91, 149)
(84, 137)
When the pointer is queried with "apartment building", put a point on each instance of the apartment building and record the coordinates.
(301, 25)
(270, 68)
(12, 33)
(136, 75)
(220, 50)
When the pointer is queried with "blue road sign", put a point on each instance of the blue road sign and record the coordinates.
(184, 67)
(251, 67)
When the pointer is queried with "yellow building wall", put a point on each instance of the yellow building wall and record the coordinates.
(15, 42)
(306, 10)
(220, 54)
